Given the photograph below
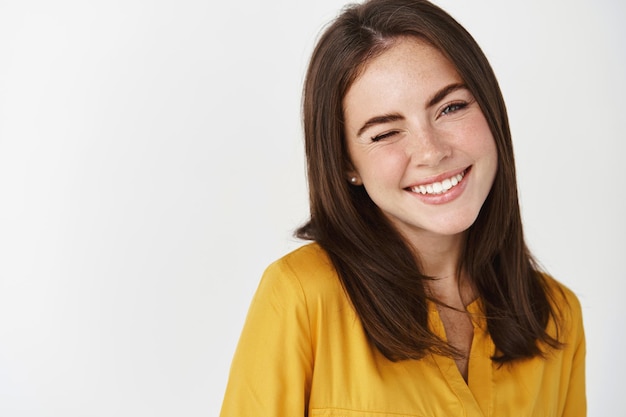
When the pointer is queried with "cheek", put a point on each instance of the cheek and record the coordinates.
(385, 166)
(480, 140)
(487, 152)
(485, 148)
(488, 146)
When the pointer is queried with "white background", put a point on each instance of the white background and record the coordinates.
(151, 166)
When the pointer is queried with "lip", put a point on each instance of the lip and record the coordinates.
(440, 177)
(449, 195)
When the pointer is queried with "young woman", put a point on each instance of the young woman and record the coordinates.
(418, 296)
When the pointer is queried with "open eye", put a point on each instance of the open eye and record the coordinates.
(384, 135)
(454, 107)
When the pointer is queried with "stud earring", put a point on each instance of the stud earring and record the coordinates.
(353, 180)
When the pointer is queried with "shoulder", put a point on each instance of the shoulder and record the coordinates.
(567, 308)
(562, 297)
(305, 272)
(309, 260)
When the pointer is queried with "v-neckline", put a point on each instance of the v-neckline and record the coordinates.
(477, 392)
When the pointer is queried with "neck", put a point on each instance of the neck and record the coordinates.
(439, 258)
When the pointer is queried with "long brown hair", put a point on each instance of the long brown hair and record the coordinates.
(376, 266)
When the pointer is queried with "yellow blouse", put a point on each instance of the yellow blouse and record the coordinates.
(303, 352)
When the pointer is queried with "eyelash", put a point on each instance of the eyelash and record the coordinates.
(451, 108)
(384, 136)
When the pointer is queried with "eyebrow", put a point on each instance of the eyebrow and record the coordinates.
(394, 117)
(378, 120)
(441, 94)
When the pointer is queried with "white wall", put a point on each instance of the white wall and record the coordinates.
(151, 167)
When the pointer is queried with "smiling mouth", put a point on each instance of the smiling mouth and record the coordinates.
(439, 187)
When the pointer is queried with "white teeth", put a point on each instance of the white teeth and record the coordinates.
(439, 187)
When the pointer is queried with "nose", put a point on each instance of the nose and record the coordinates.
(427, 147)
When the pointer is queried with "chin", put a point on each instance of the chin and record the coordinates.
(454, 227)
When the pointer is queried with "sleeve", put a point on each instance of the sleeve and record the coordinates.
(271, 370)
(576, 399)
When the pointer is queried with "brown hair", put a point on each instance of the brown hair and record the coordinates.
(376, 266)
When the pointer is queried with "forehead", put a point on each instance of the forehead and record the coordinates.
(409, 66)
(411, 49)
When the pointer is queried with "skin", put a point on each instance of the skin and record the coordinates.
(410, 121)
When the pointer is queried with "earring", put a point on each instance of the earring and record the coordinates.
(353, 180)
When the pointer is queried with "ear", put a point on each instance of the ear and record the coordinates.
(354, 178)
(352, 175)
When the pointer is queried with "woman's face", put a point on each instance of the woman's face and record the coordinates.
(418, 141)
